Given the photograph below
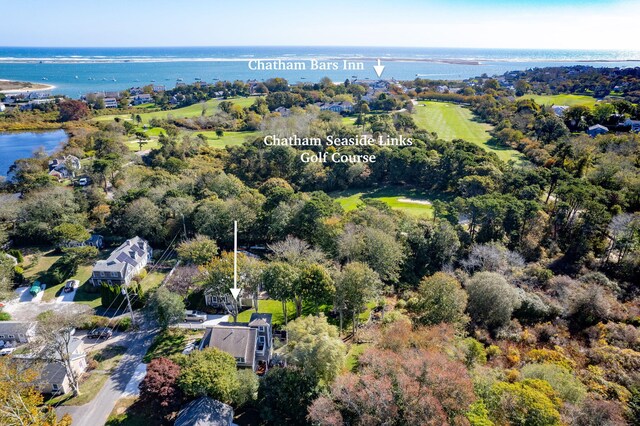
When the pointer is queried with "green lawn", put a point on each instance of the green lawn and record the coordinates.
(109, 357)
(451, 121)
(127, 413)
(355, 350)
(89, 388)
(273, 307)
(409, 201)
(170, 342)
(191, 111)
(228, 139)
(88, 295)
(41, 266)
(152, 280)
(568, 100)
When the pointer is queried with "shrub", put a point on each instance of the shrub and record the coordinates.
(474, 352)
(478, 415)
(160, 385)
(552, 356)
(122, 324)
(491, 299)
(440, 299)
(493, 351)
(5, 316)
(92, 364)
(590, 306)
(94, 321)
(533, 309)
(247, 392)
(17, 254)
(525, 403)
(284, 395)
(596, 412)
(569, 388)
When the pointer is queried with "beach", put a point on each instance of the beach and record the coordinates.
(9, 87)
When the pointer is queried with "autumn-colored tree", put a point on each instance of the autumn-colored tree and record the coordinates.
(160, 385)
(416, 387)
(20, 403)
(72, 110)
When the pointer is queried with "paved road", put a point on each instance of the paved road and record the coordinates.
(96, 412)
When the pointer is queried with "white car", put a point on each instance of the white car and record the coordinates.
(6, 351)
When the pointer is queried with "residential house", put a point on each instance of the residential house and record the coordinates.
(596, 130)
(442, 89)
(16, 332)
(53, 378)
(35, 102)
(633, 124)
(65, 167)
(338, 107)
(205, 411)
(559, 109)
(2, 107)
(143, 98)
(251, 344)
(226, 301)
(285, 112)
(158, 88)
(123, 264)
(110, 103)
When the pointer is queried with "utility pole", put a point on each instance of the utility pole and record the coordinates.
(126, 294)
(184, 227)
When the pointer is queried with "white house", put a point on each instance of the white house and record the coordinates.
(2, 107)
(53, 378)
(13, 333)
(123, 264)
(110, 103)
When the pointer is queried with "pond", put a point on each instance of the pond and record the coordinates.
(15, 145)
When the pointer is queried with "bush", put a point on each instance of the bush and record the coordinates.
(530, 402)
(247, 392)
(590, 306)
(440, 299)
(596, 412)
(17, 254)
(491, 299)
(5, 316)
(474, 352)
(122, 324)
(533, 309)
(94, 321)
(569, 388)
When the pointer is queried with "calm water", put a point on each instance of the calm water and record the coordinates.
(23, 144)
(75, 71)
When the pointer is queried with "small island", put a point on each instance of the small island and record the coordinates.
(8, 86)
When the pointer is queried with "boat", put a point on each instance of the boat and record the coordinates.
(198, 79)
(44, 78)
(76, 77)
(114, 79)
(179, 79)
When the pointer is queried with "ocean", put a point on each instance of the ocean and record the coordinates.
(76, 71)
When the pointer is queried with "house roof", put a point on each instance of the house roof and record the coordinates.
(15, 327)
(237, 340)
(205, 411)
(598, 126)
(259, 319)
(130, 253)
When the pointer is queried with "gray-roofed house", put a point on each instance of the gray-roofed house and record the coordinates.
(559, 109)
(16, 332)
(250, 343)
(205, 411)
(596, 130)
(123, 263)
(633, 124)
(53, 378)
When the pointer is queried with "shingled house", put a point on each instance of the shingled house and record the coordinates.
(123, 264)
(250, 343)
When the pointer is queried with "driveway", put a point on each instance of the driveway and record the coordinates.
(211, 321)
(97, 411)
(24, 307)
(132, 388)
(67, 297)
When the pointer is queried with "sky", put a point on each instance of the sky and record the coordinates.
(537, 24)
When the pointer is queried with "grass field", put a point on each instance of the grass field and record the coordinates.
(451, 121)
(568, 100)
(273, 307)
(191, 111)
(407, 200)
(171, 342)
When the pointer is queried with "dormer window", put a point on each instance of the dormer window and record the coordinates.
(262, 329)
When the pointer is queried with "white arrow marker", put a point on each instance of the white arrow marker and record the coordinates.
(379, 68)
(235, 291)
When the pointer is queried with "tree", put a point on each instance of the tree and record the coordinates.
(247, 391)
(355, 285)
(72, 110)
(313, 285)
(440, 299)
(492, 299)
(529, 402)
(197, 251)
(413, 387)
(315, 347)
(20, 402)
(140, 217)
(209, 372)
(143, 139)
(160, 385)
(218, 278)
(165, 308)
(284, 395)
(7, 274)
(68, 233)
(278, 279)
(52, 342)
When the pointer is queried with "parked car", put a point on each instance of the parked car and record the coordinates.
(35, 288)
(6, 351)
(195, 316)
(71, 285)
(83, 181)
(100, 333)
